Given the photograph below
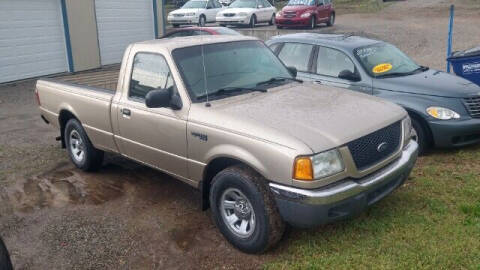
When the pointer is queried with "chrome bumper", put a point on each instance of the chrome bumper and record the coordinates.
(348, 188)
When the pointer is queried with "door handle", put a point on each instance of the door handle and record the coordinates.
(126, 112)
(318, 82)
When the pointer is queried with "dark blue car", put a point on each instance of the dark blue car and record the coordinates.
(444, 108)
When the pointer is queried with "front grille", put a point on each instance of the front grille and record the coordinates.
(367, 150)
(473, 106)
(228, 14)
(289, 14)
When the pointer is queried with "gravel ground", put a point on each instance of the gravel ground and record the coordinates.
(129, 216)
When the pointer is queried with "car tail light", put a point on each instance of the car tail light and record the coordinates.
(37, 97)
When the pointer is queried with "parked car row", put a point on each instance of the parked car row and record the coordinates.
(308, 130)
(307, 13)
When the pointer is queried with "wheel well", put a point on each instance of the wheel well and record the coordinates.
(424, 124)
(213, 168)
(62, 120)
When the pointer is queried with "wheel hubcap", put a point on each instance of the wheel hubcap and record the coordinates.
(237, 212)
(77, 147)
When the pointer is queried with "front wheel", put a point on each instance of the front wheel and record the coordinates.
(244, 210)
(419, 135)
(81, 151)
(253, 21)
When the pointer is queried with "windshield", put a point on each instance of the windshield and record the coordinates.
(234, 65)
(383, 59)
(244, 4)
(301, 3)
(195, 4)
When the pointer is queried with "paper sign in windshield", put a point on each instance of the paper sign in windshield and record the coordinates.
(381, 68)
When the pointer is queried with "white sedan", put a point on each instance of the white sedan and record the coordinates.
(197, 12)
(248, 12)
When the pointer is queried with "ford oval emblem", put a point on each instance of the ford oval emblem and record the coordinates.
(382, 147)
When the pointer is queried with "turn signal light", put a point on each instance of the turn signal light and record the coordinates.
(302, 169)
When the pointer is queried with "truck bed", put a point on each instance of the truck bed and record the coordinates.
(105, 78)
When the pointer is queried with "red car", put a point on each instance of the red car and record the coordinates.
(307, 13)
(198, 31)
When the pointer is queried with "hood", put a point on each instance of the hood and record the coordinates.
(299, 8)
(185, 10)
(296, 115)
(236, 10)
(431, 82)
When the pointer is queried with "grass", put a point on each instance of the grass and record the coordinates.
(432, 222)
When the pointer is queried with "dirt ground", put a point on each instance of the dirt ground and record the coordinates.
(130, 216)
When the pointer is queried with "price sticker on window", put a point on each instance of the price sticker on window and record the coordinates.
(382, 68)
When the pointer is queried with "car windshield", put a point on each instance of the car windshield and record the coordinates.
(383, 60)
(228, 68)
(195, 4)
(301, 3)
(243, 4)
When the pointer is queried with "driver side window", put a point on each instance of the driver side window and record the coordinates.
(331, 62)
(210, 4)
(150, 71)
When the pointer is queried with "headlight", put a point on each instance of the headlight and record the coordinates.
(407, 129)
(305, 15)
(190, 14)
(318, 166)
(442, 113)
(279, 14)
(242, 14)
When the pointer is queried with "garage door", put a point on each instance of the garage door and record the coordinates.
(121, 22)
(32, 41)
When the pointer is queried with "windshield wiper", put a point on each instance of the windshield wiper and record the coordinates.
(395, 74)
(278, 79)
(225, 91)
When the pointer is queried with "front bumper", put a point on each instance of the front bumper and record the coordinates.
(233, 20)
(183, 20)
(455, 133)
(308, 208)
(296, 21)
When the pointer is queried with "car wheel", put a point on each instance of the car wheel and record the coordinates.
(331, 20)
(419, 135)
(80, 149)
(201, 21)
(244, 210)
(253, 21)
(272, 20)
(313, 22)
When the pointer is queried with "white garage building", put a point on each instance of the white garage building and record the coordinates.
(41, 37)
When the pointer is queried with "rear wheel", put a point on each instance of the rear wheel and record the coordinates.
(244, 210)
(253, 21)
(272, 20)
(419, 135)
(331, 20)
(313, 22)
(80, 149)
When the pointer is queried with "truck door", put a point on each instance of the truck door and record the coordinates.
(327, 65)
(155, 136)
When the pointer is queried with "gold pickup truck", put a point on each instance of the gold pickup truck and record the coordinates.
(223, 114)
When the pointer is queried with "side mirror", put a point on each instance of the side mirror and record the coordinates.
(158, 98)
(293, 71)
(348, 75)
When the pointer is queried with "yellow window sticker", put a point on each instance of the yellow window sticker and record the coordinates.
(381, 68)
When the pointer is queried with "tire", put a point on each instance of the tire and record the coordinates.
(202, 21)
(331, 20)
(253, 21)
(256, 202)
(272, 20)
(420, 136)
(5, 262)
(313, 23)
(80, 149)
(175, 25)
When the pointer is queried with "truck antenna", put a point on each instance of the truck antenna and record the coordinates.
(207, 104)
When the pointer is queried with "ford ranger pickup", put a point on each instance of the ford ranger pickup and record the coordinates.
(223, 114)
